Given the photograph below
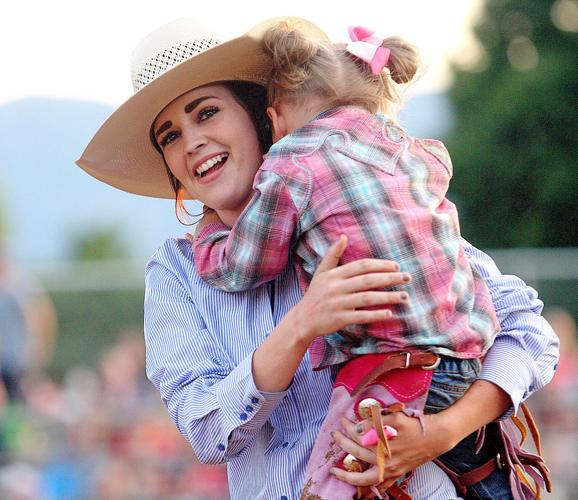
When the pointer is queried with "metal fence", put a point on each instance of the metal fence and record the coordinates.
(534, 265)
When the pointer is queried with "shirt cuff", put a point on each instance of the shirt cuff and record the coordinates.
(213, 227)
(243, 406)
(514, 377)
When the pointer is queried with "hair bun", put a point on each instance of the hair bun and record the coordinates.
(403, 61)
(290, 54)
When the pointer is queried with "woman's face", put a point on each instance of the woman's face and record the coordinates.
(211, 146)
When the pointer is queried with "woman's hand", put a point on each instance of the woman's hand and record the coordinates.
(328, 305)
(410, 449)
(337, 296)
(482, 403)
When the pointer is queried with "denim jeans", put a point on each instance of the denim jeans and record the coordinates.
(450, 381)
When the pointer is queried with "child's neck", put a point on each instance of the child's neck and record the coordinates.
(300, 113)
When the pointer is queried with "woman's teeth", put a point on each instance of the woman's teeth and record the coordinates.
(201, 169)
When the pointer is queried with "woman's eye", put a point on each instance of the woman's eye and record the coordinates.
(206, 113)
(168, 138)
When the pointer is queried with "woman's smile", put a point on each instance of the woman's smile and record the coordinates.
(210, 145)
(211, 165)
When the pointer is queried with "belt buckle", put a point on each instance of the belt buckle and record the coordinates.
(407, 359)
(434, 365)
(499, 463)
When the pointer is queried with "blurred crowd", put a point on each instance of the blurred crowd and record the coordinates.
(102, 432)
(99, 434)
(555, 409)
(96, 433)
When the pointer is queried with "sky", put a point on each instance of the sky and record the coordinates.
(75, 54)
(80, 50)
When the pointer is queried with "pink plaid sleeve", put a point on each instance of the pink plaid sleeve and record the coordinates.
(257, 248)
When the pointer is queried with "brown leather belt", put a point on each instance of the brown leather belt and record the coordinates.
(463, 481)
(399, 360)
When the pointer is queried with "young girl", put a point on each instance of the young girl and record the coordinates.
(338, 168)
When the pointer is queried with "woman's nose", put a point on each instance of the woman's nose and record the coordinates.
(194, 142)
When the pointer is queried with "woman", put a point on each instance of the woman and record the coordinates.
(232, 368)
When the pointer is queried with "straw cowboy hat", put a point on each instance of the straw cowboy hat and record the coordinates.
(174, 59)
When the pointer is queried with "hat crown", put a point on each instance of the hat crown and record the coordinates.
(174, 59)
(168, 46)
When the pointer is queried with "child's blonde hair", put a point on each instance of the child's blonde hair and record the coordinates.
(303, 67)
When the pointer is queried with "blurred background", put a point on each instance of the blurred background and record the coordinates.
(78, 419)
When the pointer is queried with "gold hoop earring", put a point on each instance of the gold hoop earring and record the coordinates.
(180, 205)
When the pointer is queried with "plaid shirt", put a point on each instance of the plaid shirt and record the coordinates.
(351, 172)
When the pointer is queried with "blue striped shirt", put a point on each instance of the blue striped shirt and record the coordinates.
(200, 342)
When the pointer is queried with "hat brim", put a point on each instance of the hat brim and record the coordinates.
(121, 153)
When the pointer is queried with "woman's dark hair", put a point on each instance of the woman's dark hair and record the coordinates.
(253, 98)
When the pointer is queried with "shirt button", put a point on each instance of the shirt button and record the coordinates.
(249, 408)
(285, 444)
(221, 447)
(243, 416)
(284, 498)
(254, 401)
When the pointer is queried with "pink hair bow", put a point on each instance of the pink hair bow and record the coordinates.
(367, 46)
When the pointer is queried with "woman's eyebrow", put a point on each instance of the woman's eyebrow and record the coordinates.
(162, 128)
(193, 104)
(188, 108)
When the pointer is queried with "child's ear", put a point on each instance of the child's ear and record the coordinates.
(278, 123)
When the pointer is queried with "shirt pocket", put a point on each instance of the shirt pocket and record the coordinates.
(287, 424)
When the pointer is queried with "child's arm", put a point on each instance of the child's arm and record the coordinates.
(257, 248)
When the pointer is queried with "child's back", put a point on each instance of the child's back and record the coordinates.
(339, 168)
(351, 172)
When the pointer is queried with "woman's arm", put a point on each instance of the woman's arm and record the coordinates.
(218, 406)
(482, 403)
(328, 305)
(525, 353)
(522, 360)
(205, 392)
